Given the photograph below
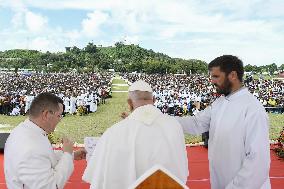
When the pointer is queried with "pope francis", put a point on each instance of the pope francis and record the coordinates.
(129, 148)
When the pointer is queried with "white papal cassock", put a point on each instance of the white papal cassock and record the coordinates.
(129, 148)
(239, 153)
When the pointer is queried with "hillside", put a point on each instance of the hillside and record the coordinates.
(121, 57)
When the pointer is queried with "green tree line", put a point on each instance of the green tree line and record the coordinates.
(270, 68)
(120, 57)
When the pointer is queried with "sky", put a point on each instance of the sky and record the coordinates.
(253, 30)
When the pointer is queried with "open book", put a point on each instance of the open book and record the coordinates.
(158, 177)
(90, 144)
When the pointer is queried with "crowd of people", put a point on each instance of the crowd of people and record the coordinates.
(237, 123)
(176, 95)
(81, 93)
(181, 95)
(269, 92)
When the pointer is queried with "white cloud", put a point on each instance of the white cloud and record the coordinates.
(251, 52)
(131, 40)
(24, 18)
(17, 20)
(44, 44)
(12, 43)
(180, 28)
(18, 9)
(50, 39)
(35, 22)
(73, 36)
(273, 8)
(91, 25)
(130, 22)
(18, 5)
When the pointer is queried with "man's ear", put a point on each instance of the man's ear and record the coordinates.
(233, 76)
(44, 115)
(154, 99)
(130, 104)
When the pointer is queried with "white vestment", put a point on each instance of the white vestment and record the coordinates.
(239, 151)
(15, 111)
(93, 104)
(28, 102)
(129, 148)
(66, 101)
(31, 163)
(80, 100)
(72, 104)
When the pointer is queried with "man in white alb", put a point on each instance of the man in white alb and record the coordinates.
(29, 159)
(131, 147)
(239, 153)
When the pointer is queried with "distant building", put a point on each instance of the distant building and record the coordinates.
(111, 70)
(10, 59)
(20, 70)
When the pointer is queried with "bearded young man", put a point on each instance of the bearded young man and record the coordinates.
(239, 152)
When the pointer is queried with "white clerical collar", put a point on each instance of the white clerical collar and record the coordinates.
(146, 114)
(35, 127)
(236, 93)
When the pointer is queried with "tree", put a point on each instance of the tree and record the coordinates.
(281, 67)
(119, 48)
(248, 68)
(272, 68)
(121, 57)
(90, 48)
(75, 50)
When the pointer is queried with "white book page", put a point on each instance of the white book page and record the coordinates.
(90, 144)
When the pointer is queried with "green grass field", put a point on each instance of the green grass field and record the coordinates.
(94, 124)
(117, 80)
(119, 88)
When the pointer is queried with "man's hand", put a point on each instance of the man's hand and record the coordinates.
(124, 115)
(67, 145)
(80, 154)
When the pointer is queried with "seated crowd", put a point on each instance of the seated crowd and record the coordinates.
(186, 95)
(175, 94)
(81, 93)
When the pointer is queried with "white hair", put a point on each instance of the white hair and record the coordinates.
(140, 95)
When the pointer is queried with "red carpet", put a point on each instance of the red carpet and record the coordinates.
(198, 175)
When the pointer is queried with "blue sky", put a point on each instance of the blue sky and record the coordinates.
(191, 29)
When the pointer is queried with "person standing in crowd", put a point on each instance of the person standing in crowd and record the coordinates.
(103, 95)
(145, 138)
(29, 159)
(239, 151)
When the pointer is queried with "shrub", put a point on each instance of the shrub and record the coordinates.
(280, 145)
(53, 139)
(81, 110)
